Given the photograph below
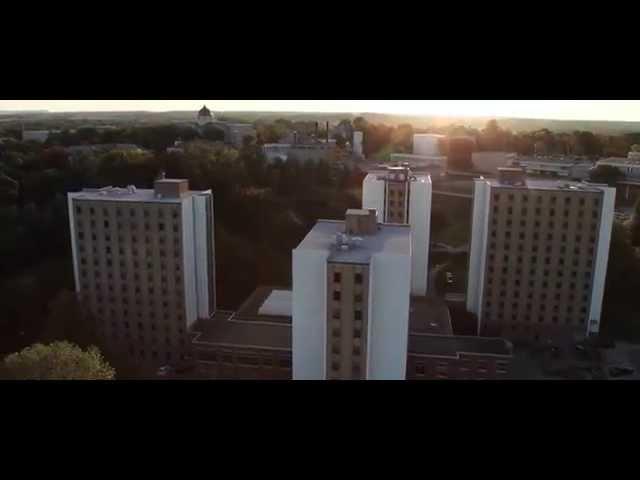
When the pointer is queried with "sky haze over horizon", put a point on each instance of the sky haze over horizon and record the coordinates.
(603, 110)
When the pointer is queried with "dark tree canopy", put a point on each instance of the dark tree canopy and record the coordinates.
(605, 174)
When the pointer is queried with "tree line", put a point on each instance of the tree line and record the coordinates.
(262, 211)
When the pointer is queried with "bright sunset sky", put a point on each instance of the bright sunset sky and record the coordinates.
(623, 110)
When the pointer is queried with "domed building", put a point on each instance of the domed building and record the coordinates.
(205, 116)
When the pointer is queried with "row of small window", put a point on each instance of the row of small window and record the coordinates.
(542, 307)
(336, 331)
(442, 371)
(534, 260)
(132, 224)
(393, 203)
(168, 327)
(357, 278)
(136, 265)
(337, 296)
(356, 349)
(125, 311)
(136, 278)
(357, 314)
(397, 213)
(560, 273)
(127, 337)
(175, 213)
(553, 199)
(516, 293)
(543, 297)
(126, 289)
(541, 318)
(536, 236)
(120, 239)
(244, 360)
(551, 212)
(548, 250)
(356, 369)
(134, 252)
(154, 354)
(537, 224)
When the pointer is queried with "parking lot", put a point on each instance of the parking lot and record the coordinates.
(577, 361)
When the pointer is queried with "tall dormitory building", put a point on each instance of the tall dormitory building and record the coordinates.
(402, 197)
(538, 256)
(350, 308)
(144, 264)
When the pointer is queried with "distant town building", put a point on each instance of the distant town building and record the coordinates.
(629, 166)
(538, 256)
(303, 147)
(570, 167)
(427, 153)
(460, 152)
(144, 264)
(205, 116)
(400, 196)
(235, 133)
(427, 144)
(358, 138)
(351, 288)
(40, 136)
(489, 162)
(275, 151)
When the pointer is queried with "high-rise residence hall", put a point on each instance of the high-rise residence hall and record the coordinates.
(143, 262)
(351, 289)
(538, 256)
(400, 196)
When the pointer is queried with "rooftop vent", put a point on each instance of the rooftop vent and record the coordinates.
(511, 176)
(360, 222)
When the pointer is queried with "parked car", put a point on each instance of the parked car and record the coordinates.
(165, 371)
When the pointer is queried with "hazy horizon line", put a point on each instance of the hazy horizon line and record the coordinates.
(310, 112)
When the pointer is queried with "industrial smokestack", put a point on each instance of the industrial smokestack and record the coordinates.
(317, 127)
(327, 132)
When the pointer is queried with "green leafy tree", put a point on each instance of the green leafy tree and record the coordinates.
(620, 307)
(56, 361)
(69, 320)
(213, 133)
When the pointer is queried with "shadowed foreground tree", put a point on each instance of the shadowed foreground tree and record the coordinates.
(605, 174)
(620, 308)
(635, 225)
(56, 361)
